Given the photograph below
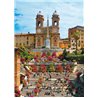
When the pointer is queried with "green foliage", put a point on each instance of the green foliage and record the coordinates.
(82, 50)
(69, 46)
(77, 52)
(43, 46)
(25, 54)
(48, 53)
(64, 54)
(69, 54)
(64, 61)
(76, 35)
(51, 67)
(78, 58)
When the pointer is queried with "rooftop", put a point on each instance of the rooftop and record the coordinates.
(78, 27)
(24, 33)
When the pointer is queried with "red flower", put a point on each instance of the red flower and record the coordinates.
(50, 58)
(22, 60)
(36, 90)
(59, 68)
(17, 91)
(68, 67)
(43, 54)
(34, 68)
(43, 68)
(31, 96)
(35, 57)
(54, 54)
(17, 95)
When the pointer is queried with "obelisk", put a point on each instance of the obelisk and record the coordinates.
(47, 41)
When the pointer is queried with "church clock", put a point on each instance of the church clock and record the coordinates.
(39, 30)
(55, 30)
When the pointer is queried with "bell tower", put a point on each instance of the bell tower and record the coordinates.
(39, 22)
(55, 22)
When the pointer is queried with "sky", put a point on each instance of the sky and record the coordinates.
(25, 11)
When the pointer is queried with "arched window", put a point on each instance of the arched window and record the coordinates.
(55, 23)
(39, 23)
(38, 39)
(27, 37)
(27, 43)
(55, 39)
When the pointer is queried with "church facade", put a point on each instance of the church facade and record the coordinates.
(45, 36)
(53, 31)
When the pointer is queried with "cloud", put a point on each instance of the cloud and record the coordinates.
(71, 14)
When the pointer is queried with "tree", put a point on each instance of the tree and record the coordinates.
(76, 36)
(64, 54)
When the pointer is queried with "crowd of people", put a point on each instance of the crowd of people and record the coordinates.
(50, 83)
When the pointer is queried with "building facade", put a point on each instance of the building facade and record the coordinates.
(38, 39)
(64, 43)
(41, 31)
(26, 40)
(80, 41)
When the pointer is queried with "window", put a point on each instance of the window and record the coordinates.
(82, 37)
(55, 39)
(39, 39)
(82, 34)
(27, 37)
(55, 23)
(39, 23)
(27, 42)
(73, 44)
(81, 41)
